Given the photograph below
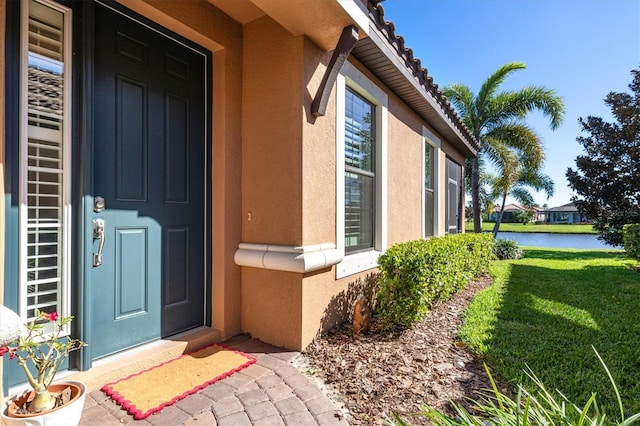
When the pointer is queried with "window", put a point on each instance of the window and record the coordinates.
(360, 177)
(561, 217)
(361, 126)
(428, 190)
(431, 191)
(453, 211)
(44, 159)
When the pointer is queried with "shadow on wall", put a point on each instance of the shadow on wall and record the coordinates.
(340, 308)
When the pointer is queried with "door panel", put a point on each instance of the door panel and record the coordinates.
(131, 140)
(149, 165)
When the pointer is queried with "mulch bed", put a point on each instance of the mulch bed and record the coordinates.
(382, 372)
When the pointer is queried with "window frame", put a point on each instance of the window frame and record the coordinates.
(356, 81)
(63, 297)
(449, 165)
(431, 140)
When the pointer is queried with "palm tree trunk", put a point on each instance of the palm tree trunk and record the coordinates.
(496, 227)
(475, 196)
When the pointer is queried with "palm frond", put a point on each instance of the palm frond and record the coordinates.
(537, 180)
(523, 196)
(491, 84)
(506, 106)
(521, 138)
(461, 97)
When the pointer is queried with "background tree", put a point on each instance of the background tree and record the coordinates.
(524, 216)
(496, 119)
(515, 178)
(607, 177)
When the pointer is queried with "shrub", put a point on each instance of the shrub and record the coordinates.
(523, 216)
(416, 273)
(631, 236)
(507, 249)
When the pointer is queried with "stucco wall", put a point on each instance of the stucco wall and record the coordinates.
(272, 134)
(272, 308)
(319, 155)
(405, 174)
(272, 176)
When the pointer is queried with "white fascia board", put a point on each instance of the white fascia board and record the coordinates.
(358, 12)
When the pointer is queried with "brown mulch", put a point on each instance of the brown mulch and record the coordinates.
(382, 372)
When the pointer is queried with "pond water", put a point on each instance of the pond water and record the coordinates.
(575, 241)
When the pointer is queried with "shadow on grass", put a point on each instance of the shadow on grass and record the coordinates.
(571, 254)
(557, 304)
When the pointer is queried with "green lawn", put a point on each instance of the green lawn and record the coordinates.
(548, 309)
(530, 227)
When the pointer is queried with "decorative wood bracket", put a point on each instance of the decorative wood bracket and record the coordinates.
(347, 41)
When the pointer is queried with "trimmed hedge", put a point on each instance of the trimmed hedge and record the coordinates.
(415, 274)
(631, 237)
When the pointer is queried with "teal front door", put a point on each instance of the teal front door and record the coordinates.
(149, 185)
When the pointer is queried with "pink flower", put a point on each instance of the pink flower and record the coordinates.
(52, 316)
(12, 353)
(4, 350)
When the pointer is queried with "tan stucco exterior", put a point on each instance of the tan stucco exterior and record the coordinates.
(274, 163)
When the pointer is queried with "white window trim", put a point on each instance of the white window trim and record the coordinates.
(352, 78)
(429, 138)
(65, 296)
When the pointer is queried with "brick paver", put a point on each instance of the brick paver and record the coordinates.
(271, 392)
(290, 405)
(261, 410)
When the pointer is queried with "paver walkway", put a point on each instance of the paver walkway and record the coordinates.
(270, 392)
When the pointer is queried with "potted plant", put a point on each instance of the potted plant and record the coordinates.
(41, 350)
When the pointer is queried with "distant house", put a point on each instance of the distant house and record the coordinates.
(509, 209)
(567, 213)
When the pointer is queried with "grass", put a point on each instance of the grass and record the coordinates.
(545, 312)
(531, 227)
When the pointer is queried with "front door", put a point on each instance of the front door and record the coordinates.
(148, 185)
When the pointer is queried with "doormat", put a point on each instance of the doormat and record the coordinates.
(149, 391)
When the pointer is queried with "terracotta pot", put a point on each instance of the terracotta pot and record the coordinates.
(64, 415)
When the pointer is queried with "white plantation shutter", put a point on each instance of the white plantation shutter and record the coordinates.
(45, 190)
(359, 140)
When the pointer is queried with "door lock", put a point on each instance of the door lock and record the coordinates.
(98, 234)
(98, 204)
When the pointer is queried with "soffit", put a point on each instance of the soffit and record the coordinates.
(240, 10)
(321, 21)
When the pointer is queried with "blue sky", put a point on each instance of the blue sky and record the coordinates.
(583, 49)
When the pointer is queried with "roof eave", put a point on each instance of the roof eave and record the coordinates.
(385, 56)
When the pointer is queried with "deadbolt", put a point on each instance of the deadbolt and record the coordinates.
(98, 204)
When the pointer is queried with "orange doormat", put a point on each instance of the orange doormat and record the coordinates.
(149, 391)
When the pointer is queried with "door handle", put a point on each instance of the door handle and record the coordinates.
(98, 234)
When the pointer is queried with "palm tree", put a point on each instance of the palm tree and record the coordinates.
(496, 119)
(514, 179)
